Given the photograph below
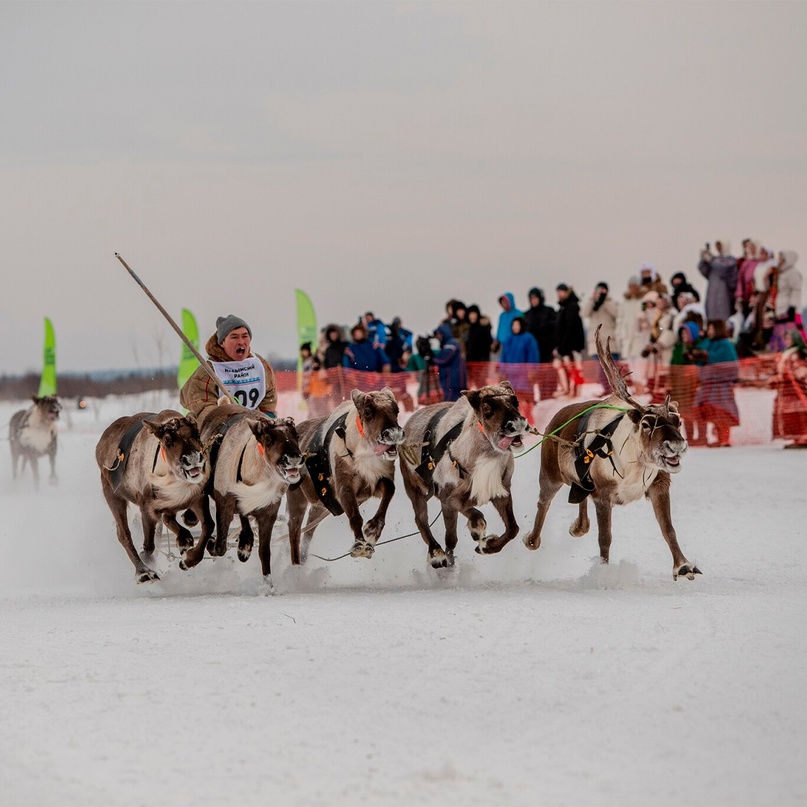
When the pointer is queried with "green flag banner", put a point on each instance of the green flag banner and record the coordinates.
(306, 327)
(187, 361)
(47, 384)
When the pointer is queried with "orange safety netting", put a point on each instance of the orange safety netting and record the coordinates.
(325, 389)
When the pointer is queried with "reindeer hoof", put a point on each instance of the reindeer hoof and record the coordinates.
(244, 552)
(362, 550)
(148, 576)
(485, 544)
(449, 557)
(532, 541)
(438, 559)
(686, 569)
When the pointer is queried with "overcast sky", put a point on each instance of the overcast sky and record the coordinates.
(387, 156)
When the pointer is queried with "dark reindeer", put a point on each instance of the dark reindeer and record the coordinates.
(156, 462)
(614, 457)
(32, 433)
(466, 460)
(350, 456)
(257, 459)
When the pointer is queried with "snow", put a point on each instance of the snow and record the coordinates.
(518, 679)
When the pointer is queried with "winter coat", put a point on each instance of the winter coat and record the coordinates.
(519, 351)
(363, 356)
(744, 288)
(717, 378)
(504, 329)
(569, 327)
(721, 276)
(377, 332)
(789, 284)
(605, 314)
(630, 339)
(450, 364)
(541, 321)
(333, 352)
(199, 393)
(479, 340)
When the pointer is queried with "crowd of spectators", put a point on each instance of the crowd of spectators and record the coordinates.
(663, 336)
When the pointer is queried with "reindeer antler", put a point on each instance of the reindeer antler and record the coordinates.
(615, 378)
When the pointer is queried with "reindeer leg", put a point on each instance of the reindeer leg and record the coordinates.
(225, 510)
(580, 526)
(183, 534)
(603, 510)
(315, 513)
(361, 548)
(149, 521)
(246, 538)
(296, 506)
(477, 524)
(385, 488)
(118, 507)
(34, 463)
(201, 513)
(420, 504)
(450, 517)
(659, 495)
(53, 479)
(266, 521)
(493, 544)
(548, 491)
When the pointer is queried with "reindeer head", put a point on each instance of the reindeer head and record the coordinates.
(277, 442)
(378, 421)
(49, 406)
(496, 407)
(660, 442)
(181, 447)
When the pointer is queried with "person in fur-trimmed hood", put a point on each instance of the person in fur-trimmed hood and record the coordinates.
(246, 376)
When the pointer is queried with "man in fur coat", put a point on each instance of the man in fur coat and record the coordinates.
(246, 376)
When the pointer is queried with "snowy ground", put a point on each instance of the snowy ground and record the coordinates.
(518, 679)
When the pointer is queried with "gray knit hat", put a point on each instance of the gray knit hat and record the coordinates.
(229, 323)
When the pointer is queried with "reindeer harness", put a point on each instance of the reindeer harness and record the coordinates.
(432, 452)
(601, 446)
(318, 463)
(118, 470)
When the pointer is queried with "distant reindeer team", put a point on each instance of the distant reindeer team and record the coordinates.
(167, 464)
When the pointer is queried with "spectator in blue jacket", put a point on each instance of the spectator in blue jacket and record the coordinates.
(450, 364)
(360, 354)
(519, 364)
(509, 313)
(376, 330)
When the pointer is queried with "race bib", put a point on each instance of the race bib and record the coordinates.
(244, 380)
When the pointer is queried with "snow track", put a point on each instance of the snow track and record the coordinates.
(523, 678)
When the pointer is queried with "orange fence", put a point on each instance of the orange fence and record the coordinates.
(328, 388)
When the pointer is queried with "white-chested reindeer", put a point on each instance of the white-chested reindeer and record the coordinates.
(614, 457)
(32, 434)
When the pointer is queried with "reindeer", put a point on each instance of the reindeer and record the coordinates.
(32, 433)
(614, 457)
(156, 462)
(257, 460)
(350, 456)
(466, 459)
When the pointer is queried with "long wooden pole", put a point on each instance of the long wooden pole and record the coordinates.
(176, 327)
